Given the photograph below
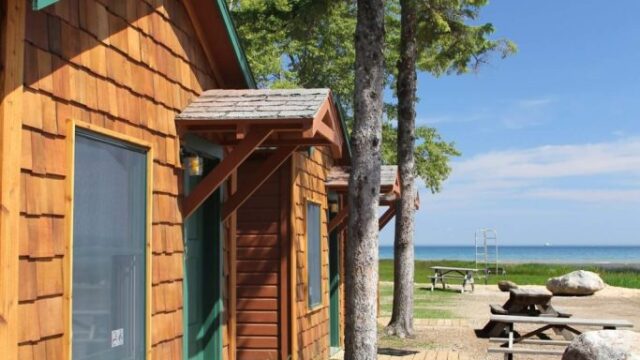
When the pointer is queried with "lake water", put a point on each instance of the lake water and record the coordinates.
(519, 254)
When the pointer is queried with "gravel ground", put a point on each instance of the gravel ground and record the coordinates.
(471, 311)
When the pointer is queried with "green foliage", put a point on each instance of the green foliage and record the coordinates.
(448, 43)
(310, 43)
(299, 43)
(523, 274)
(432, 154)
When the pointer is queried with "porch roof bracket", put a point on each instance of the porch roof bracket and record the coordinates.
(261, 175)
(318, 126)
(224, 169)
(387, 216)
(338, 219)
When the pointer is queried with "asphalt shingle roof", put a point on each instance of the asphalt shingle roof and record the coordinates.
(255, 104)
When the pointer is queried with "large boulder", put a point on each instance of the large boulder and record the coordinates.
(604, 345)
(506, 285)
(576, 283)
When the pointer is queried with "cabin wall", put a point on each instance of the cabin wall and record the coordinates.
(127, 66)
(262, 250)
(310, 175)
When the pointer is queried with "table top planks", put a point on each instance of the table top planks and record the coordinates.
(545, 320)
(450, 268)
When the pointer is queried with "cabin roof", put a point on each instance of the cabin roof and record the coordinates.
(256, 104)
(338, 179)
(300, 117)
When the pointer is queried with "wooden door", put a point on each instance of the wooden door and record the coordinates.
(262, 268)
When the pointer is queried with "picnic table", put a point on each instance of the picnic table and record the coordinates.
(543, 323)
(444, 273)
(524, 302)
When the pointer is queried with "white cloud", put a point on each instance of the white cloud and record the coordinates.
(511, 114)
(553, 161)
(534, 103)
(596, 172)
(526, 113)
(587, 195)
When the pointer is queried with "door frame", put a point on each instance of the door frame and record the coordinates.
(72, 126)
(205, 149)
(334, 293)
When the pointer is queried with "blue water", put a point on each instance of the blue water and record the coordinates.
(519, 254)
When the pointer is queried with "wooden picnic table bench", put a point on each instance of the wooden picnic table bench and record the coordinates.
(524, 302)
(545, 323)
(444, 273)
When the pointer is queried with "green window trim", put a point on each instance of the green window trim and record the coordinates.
(41, 4)
(314, 255)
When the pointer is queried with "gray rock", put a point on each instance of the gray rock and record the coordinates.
(576, 283)
(506, 285)
(604, 345)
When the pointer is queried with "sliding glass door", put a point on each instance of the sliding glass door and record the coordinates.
(109, 239)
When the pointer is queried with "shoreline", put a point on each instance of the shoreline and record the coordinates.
(605, 264)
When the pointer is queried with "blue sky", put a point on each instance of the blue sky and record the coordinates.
(550, 137)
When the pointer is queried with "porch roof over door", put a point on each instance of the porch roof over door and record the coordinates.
(244, 120)
(303, 117)
(390, 188)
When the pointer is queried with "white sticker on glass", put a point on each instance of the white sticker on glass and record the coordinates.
(117, 337)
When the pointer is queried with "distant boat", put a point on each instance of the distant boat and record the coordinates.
(547, 244)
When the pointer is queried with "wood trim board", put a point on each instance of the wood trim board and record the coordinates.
(13, 32)
(293, 263)
(72, 125)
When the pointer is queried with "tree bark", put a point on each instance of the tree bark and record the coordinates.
(401, 323)
(364, 185)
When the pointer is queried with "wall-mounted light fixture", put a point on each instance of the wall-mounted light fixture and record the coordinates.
(194, 165)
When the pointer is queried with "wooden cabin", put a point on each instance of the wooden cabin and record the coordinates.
(154, 203)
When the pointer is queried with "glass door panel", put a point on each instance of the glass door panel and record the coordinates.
(109, 241)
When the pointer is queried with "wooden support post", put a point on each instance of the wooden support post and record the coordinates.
(222, 171)
(338, 219)
(11, 80)
(285, 239)
(233, 290)
(293, 266)
(263, 173)
(387, 216)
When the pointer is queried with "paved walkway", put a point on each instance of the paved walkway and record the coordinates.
(428, 355)
(416, 355)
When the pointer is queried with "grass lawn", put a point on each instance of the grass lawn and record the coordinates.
(523, 274)
(427, 304)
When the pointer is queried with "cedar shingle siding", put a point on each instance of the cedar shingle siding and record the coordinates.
(128, 66)
(310, 175)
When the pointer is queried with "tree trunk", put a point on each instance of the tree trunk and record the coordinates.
(401, 323)
(364, 185)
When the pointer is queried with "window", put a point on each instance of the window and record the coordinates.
(109, 242)
(314, 254)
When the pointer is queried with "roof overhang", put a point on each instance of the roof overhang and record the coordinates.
(217, 34)
(295, 117)
(390, 190)
(338, 181)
